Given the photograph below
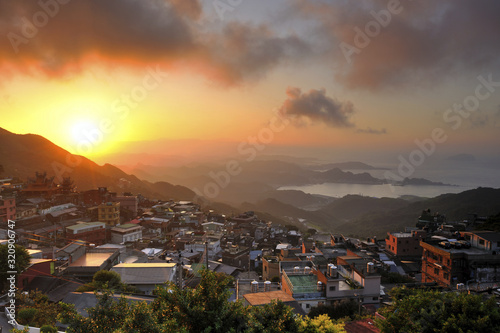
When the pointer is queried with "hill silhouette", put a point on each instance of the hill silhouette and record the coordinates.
(24, 154)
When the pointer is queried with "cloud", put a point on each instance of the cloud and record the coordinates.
(370, 130)
(135, 33)
(316, 107)
(426, 41)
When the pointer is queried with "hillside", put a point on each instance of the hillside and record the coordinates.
(23, 155)
(456, 207)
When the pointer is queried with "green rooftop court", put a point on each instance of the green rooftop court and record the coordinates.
(303, 283)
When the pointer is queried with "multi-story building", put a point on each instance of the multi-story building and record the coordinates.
(237, 256)
(109, 213)
(405, 244)
(312, 287)
(7, 209)
(453, 262)
(129, 232)
(128, 202)
(91, 232)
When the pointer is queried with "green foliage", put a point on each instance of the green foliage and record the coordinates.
(26, 316)
(321, 324)
(392, 278)
(345, 308)
(104, 279)
(205, 308)
(22, 261)
(433, 311)
(46, 312)
(273, 318)
(48, 329)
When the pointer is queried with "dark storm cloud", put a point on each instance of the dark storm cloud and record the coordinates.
(315, 107)
(425, 40)
(134, 33)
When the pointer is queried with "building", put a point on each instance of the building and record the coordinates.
(311, 286)
(109, 213)
(40, 186)
(91, 262)
(37, 267)
(7, 209)
(128, 202)
(129, 232)
(270, 267)
(146, 276)
(91, 232)
(405, 244)
(451, 262)
(199, 245)
(238, 256)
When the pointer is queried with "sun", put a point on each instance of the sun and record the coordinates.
(86, 137)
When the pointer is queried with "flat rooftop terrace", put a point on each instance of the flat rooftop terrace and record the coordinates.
(91, 259)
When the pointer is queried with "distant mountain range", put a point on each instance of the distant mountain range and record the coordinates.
(23, 155)
(254, 188)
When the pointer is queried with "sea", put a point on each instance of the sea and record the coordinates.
(459, 179)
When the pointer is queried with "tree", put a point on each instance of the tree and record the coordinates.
(104, 279)
(35, 302)
(433, 311)
(108, 315)
(340, 309)
(273, 318)
(320, 324)
(203, 309)
(21, 258)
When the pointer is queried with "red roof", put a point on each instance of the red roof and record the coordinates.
(361, 326)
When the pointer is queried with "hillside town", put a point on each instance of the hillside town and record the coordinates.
(71, 235)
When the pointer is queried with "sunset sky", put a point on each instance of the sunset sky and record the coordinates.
(101, 77)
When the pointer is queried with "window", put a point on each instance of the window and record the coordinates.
(375, 298)
(332, 288)
(436, 271)
(446, 276)
(481, 242)
(307, 305)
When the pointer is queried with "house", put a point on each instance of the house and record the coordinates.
(405, 244)
(129, 203)
(237, 256)
(473, 259)
(129, 232)
(37, 267)
(109, 213)
(91, 262)
(262, 298)
(7, 209)
(146, 276)
(311, 286)
(91, 232)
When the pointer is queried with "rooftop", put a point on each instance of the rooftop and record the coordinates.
(267, 297)
(85, 225)
(91, 259)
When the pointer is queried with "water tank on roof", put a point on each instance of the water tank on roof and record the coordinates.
(370, 267)
(296, 269)
(320, 286)
(267, 286)
(307, 270)
(254, 286)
